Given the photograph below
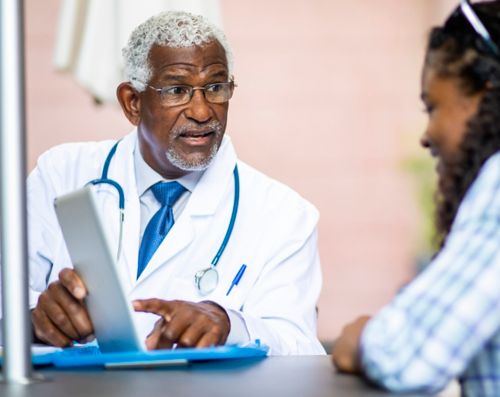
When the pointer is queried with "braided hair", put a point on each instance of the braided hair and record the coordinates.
(456, 50)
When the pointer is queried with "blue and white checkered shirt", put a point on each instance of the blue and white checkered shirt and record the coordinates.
(446, 323)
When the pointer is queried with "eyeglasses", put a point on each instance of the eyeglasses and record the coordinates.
(176, 95)
(478, 26)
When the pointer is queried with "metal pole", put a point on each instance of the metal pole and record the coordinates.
(15, 315)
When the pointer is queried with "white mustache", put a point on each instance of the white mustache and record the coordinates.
(193, 127)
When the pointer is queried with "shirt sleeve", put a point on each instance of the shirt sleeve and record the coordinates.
(238, 333)
(429, 332)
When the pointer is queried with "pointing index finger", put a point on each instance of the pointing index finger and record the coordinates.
(155, 306)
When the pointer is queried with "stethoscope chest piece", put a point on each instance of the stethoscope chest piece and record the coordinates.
(206, 280)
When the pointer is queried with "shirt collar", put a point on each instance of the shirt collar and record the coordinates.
(147, 177)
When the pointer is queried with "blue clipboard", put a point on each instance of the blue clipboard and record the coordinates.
(90, 356)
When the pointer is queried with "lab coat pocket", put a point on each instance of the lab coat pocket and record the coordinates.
(229, 296)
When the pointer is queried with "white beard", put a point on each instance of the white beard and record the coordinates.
(185, 165)
(196, 164)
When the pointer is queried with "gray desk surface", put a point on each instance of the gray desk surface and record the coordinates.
(273, 376)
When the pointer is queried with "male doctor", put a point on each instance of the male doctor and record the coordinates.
(180, 178)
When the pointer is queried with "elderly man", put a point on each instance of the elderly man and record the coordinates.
(197, 218)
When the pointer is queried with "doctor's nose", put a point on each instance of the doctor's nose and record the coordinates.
(199, 108)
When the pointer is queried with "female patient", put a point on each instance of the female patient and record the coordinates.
(446, 323)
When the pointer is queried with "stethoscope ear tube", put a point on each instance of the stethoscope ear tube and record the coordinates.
(234, 213)
(121, 195)
(116, 185)
(105, 180)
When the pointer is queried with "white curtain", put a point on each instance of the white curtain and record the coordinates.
(91, 34)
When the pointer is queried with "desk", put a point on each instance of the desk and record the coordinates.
(309, 376)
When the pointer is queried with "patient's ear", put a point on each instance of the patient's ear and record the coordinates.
(130, 101)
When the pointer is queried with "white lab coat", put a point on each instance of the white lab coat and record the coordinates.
(274, 235)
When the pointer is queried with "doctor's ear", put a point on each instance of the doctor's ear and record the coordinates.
(130, 102)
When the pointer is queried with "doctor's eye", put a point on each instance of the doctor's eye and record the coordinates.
(216, 87)
(175, 90)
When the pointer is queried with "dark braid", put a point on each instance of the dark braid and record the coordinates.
(456, 50)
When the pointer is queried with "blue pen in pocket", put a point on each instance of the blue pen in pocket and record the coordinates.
(237, 278)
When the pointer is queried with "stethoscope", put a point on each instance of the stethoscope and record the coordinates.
(206, 280)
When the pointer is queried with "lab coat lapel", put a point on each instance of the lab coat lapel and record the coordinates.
(202, 205)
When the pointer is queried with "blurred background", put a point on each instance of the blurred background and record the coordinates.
(327, 102)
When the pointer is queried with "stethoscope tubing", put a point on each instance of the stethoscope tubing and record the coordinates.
(234, 213)
(104, 179)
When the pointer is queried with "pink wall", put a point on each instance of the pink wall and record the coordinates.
(327, 102)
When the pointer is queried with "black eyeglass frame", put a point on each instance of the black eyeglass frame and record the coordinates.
(478, 26)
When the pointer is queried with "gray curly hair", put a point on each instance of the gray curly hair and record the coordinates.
(174, 29)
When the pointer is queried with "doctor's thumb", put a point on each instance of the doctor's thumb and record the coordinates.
(73, 283)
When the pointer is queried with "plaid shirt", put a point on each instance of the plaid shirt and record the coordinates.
(446, 323)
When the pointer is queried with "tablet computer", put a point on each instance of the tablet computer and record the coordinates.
(92, 258)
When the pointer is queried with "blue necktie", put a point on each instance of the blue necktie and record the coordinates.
(158, 227)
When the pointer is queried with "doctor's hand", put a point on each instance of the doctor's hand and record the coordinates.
(60, 315)
(188, 324)
(345, 354)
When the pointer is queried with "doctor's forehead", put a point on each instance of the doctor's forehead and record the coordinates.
(207, 58)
